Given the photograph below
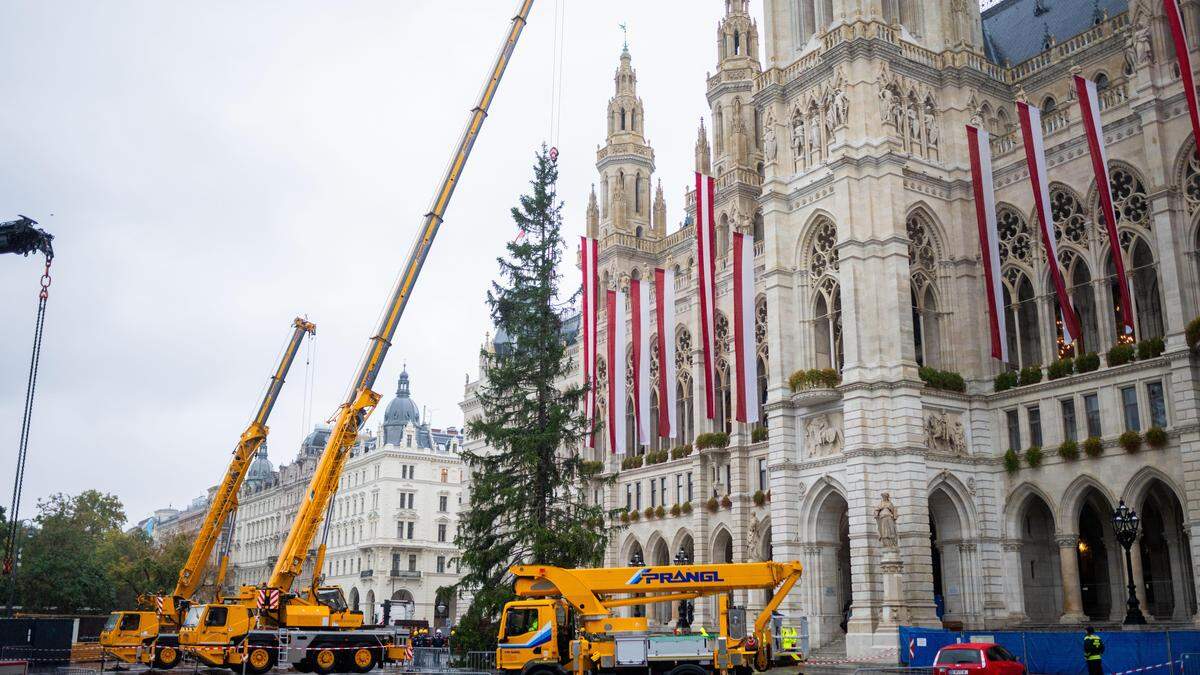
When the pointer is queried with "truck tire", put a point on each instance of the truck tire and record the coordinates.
(260, 659)
(689, 669)
(166, 658)
(361, 659)
(324, 660)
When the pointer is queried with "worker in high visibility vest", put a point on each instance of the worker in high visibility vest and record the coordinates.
(788, 639)
(1093, 652)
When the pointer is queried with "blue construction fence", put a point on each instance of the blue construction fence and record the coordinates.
(1061, 652)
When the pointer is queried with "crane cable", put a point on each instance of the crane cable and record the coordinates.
(14, 521)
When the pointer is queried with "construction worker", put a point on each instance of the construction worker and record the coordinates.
(788, 636)
(1093, 651)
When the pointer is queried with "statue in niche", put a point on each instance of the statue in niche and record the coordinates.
(885, 522)
(798, 137)
(770, 143)
(753, 536)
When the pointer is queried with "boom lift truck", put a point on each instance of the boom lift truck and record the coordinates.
(150, 636)
(564, 621)
(313, 629)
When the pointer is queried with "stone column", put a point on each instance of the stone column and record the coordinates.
(1118, 582)
(1178, 579)
(895, 612)
(1013, 588)
(1139, 577)
(1069, 562)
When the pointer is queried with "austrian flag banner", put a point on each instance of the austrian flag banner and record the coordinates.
(664, 315)
(706, 262)
(615, 312)
(979, 144)
(1089, 104)
(1035, 157)
(743, 328)
(1179, 37)
(639, 295)
(588, 256)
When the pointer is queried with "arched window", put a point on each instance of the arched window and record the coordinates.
(1021, 314)
(719, 132)
(737, 43)
(724, 398)
(1049, 105)
(762, 390)
(622, 119)
(683, 411)
(1083, 298)
(827, 303)
(633, 120)
(631, 436)
(1146, 298)
(1101, 80)
(637, 194)
(655, 441)
(758, 227)
(922, 258)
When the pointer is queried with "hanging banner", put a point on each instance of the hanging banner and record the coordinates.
(1179, 37)
(979, 145)
(639, 296)
(588, 256)
(664, 313)
(743, 328)
(615, 312)
(706, 263)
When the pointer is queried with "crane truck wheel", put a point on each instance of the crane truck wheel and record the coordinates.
(323, 660)
(166, 658)
(362, 660)
(260, 659)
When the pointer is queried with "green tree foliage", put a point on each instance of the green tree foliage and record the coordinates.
(77, 557)
(526, 502)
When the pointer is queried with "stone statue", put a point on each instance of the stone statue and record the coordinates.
(815, 128)
(914, 125)
(798, 136)
(753, 536)
(770, 143)
(931, 130)
(885, 520)
(959, 439)
(1144, 45)
(841, 107)
(977, 119)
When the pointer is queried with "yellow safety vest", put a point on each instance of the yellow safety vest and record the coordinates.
(788, 633)
(1092, 646)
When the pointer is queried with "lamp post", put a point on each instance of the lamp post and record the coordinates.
(686, 607)
(1126, 523)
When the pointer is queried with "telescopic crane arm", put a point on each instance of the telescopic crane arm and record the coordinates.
(361, 400)
(224, 501)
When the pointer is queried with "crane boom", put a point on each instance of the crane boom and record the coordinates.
(225, 499)
(361, 400)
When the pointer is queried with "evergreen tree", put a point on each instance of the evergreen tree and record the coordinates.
(527, 503)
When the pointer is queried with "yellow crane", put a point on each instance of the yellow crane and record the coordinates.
(313, 629)
(565, 620)
(150, 636)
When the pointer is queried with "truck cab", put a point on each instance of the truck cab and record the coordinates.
(532, 631)
(207, 628)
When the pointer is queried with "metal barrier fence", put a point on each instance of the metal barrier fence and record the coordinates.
(1191, 663)
(430, 658)
(475, 661)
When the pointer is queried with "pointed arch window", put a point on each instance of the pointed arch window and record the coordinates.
(1083, 299)
(1021, 315)
(759, 228)
(724, 398)
(631, 436)
(761, 384)
(622, 119)
(684, 413)
(922, 259)
(637, 194)
(827, 313)
(1144, 287)
(656, 443)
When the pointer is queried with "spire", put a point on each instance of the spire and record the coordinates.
(593, 214)
(660, 211)
(703, 156)
(402, 390)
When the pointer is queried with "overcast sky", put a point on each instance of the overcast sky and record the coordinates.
(211, 169)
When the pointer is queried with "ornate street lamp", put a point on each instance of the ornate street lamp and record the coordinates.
(687, 608)
(1126, 523)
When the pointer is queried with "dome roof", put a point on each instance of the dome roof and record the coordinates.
(261, 468)
(401, 411)
(315, 442)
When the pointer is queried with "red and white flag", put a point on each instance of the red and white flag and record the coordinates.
(588, 257)
(706, 262)
(743, 328)
(639, 296)
(1179, 37)
(664, 313)
(615, 312)
(979, 144)
(1035, 157)
(1089, 105)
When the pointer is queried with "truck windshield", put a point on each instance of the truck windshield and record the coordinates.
(520, 621)
(332, 598)
(111, 622)
(193, 617)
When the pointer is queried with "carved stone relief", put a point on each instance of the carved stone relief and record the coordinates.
(945, 433)
(823, 435)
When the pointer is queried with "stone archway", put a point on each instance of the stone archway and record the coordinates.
(1040, 565)
(369, 613)
(354, 607)
(722, 552)
(1100, 562)
(951, 556)
(659, 554)
(1162, 557)
(403, 605)
(827, 566)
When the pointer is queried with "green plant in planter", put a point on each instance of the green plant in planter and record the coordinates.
(634, 516)
(1152, 348)
(942, 379)
(1119, 355)
(1069, 450)
(1033, 456)
(1060, 369)
(624, 517)
(632, 462)
(1005, 381)
(1193, 334)
(1030, 375)
(758, 435)
(1131, 441)
(714, 440)
(726, 502)
(660, 512)
(1156, 437)
(649, 512)
(589, 468)
(1012, 461)
(675, 510)
(1087, 363)
(760, 498)
(1093, 447)
(681, 451)
(712, 504)
(687, 508)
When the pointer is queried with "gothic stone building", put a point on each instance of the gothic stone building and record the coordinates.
(837, 139)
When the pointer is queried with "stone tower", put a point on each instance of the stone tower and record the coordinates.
(737, 158)
(626, 163)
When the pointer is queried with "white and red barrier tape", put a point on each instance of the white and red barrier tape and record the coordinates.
(1168, 664)
(884, 655)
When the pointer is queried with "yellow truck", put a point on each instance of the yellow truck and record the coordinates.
(565, 623)
(150, 636)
